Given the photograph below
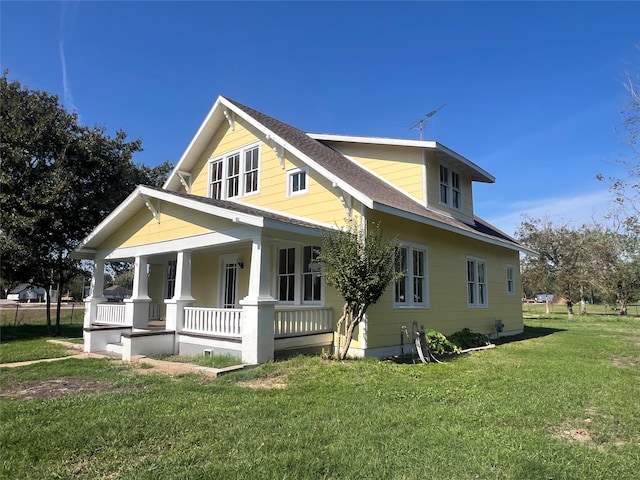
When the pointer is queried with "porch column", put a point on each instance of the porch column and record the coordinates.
(258, 307)
(182, 295)
(137, 307)
(96, 294)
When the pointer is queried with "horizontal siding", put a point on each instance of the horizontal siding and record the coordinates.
(448, 311)
(175, 222)
(401, 166)
(433, 190)
(321, 203)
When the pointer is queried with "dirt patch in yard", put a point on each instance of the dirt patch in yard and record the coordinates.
(267, 383)
(59, 387)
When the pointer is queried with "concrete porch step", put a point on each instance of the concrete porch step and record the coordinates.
(114, 348)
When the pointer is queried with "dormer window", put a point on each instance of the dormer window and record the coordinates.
(235, 174)
(450, 192)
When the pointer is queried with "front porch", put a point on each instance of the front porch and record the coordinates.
(205, 331)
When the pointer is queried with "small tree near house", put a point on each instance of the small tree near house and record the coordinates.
(359, 263)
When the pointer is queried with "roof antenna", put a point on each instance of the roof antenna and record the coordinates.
(421, 123)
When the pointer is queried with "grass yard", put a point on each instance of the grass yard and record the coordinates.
(559, 402)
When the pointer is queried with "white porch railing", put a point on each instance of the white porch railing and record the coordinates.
(213, 321)
(154, 311)
(111, 313)
(302, 321)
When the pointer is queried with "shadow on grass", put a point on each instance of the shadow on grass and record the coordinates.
(29, 332)
(528, 334)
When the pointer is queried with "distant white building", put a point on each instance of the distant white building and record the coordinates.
(25, 292)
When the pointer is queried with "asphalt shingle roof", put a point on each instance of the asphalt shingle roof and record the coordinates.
(365, 182)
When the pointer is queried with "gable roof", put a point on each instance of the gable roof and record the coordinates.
(237, 212)
(369, 189)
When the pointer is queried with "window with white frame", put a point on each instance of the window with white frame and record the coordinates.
(287, 274)
(299, 279)
(171, 278)
(450, 190)
(476, 282)
(251, 164)
(311, 281)
(297, 181)
(444, 185)
(235, 174)
(455, 190)
(511, 287)
(412, 289)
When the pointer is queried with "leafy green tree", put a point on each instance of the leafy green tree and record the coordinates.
(563, 266)
(359, 264)
(616, 261)
(58, 180)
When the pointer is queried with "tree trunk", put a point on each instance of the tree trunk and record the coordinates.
(58, 305)
(546, 307)
(583, 307)
(347, 338)
(48, 309)
(623, 305)
(352, 321)
(569, 308)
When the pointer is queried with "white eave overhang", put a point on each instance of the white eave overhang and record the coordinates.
(478, 174)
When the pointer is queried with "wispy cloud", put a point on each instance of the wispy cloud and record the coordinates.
(68, 12)
(573, 210)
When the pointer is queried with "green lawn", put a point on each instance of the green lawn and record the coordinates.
(559, 402)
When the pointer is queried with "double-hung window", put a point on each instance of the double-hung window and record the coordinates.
(455, 190)
(412, 289)
(450, 190)
(299, 278)
(235, 174)
(444, 185)
(476, 282)
(171, 278)
(511, 287)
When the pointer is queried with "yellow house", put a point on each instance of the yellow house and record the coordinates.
(223, 250)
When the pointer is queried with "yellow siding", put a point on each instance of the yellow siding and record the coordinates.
(448, 311)
(321, 203)
(175, 222)
(401, 166)
(206, 275)
(433, 189)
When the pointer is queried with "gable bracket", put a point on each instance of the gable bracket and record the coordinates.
(231, 118)
(185, 180)
(345, 199)
(154, 211)
(278, 149)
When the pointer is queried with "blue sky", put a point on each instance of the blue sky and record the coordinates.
(532, 90)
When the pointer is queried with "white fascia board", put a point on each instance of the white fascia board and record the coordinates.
(120, 210)
(451, 228)
(194, 147)
(306, 159)
(399, 142)
(488, 178)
